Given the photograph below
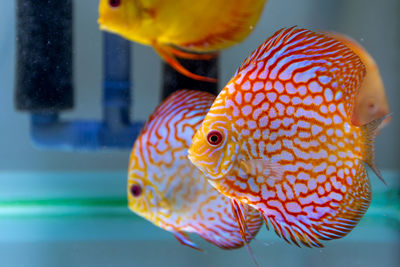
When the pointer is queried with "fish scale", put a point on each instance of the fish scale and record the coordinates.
(175, 194)
(289, 148)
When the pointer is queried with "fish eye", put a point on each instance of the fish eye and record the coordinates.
(136, 190)
(114, 3)
(214, 138)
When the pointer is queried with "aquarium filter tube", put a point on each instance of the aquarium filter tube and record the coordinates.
(44, 55)
(115, 130)
(44, 81)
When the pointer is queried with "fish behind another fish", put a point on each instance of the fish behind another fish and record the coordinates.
(371, 101)
(166, 189)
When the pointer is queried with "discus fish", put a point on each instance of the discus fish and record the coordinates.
(181, 28)
(279, 138)
(371, 102)
(166, 189)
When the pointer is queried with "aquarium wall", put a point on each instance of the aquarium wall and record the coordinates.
(68, 208)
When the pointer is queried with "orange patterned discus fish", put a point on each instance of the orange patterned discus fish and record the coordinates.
(279, 138)
(371, 102)
(182, 28)
(166, 189)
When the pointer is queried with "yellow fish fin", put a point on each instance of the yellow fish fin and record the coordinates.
(191, 55)
(369, 133)
(185, 240)
(168, 56)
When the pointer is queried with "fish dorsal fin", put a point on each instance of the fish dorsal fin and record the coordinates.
(185, 240)
(369, 133)
(297, 55)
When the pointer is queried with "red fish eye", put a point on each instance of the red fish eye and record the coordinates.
(136, 190)
(214, 138)
(114, 3)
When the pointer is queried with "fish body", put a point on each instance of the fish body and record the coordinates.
(166, 189)
(203, 26)
(371, 101)
(279, 137)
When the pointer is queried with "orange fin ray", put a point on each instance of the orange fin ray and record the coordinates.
(293, 234)
(238, 212)
(191, 55)
(185, 240)
(369, 133)
(166, 55)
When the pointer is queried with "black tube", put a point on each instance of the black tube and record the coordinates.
(173, 81)
(44, 55)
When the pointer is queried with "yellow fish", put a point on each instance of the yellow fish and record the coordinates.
(371, 101)
(166, 189)
(181, 28)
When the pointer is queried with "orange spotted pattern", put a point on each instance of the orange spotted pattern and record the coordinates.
(174, 194)
(288, 147)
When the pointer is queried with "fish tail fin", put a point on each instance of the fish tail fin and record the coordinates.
(369, 133)
(169, 57)
(238, 212)
(185, 240)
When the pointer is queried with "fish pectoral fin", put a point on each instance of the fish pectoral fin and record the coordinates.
(369, 133)
(185, 240)
(168, 56)
(240, 216)
(262, 167)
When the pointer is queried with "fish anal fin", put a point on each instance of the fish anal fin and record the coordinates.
(185, 240)
(331, 219)
(169, 57)
(293, 235)
(369, 133)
